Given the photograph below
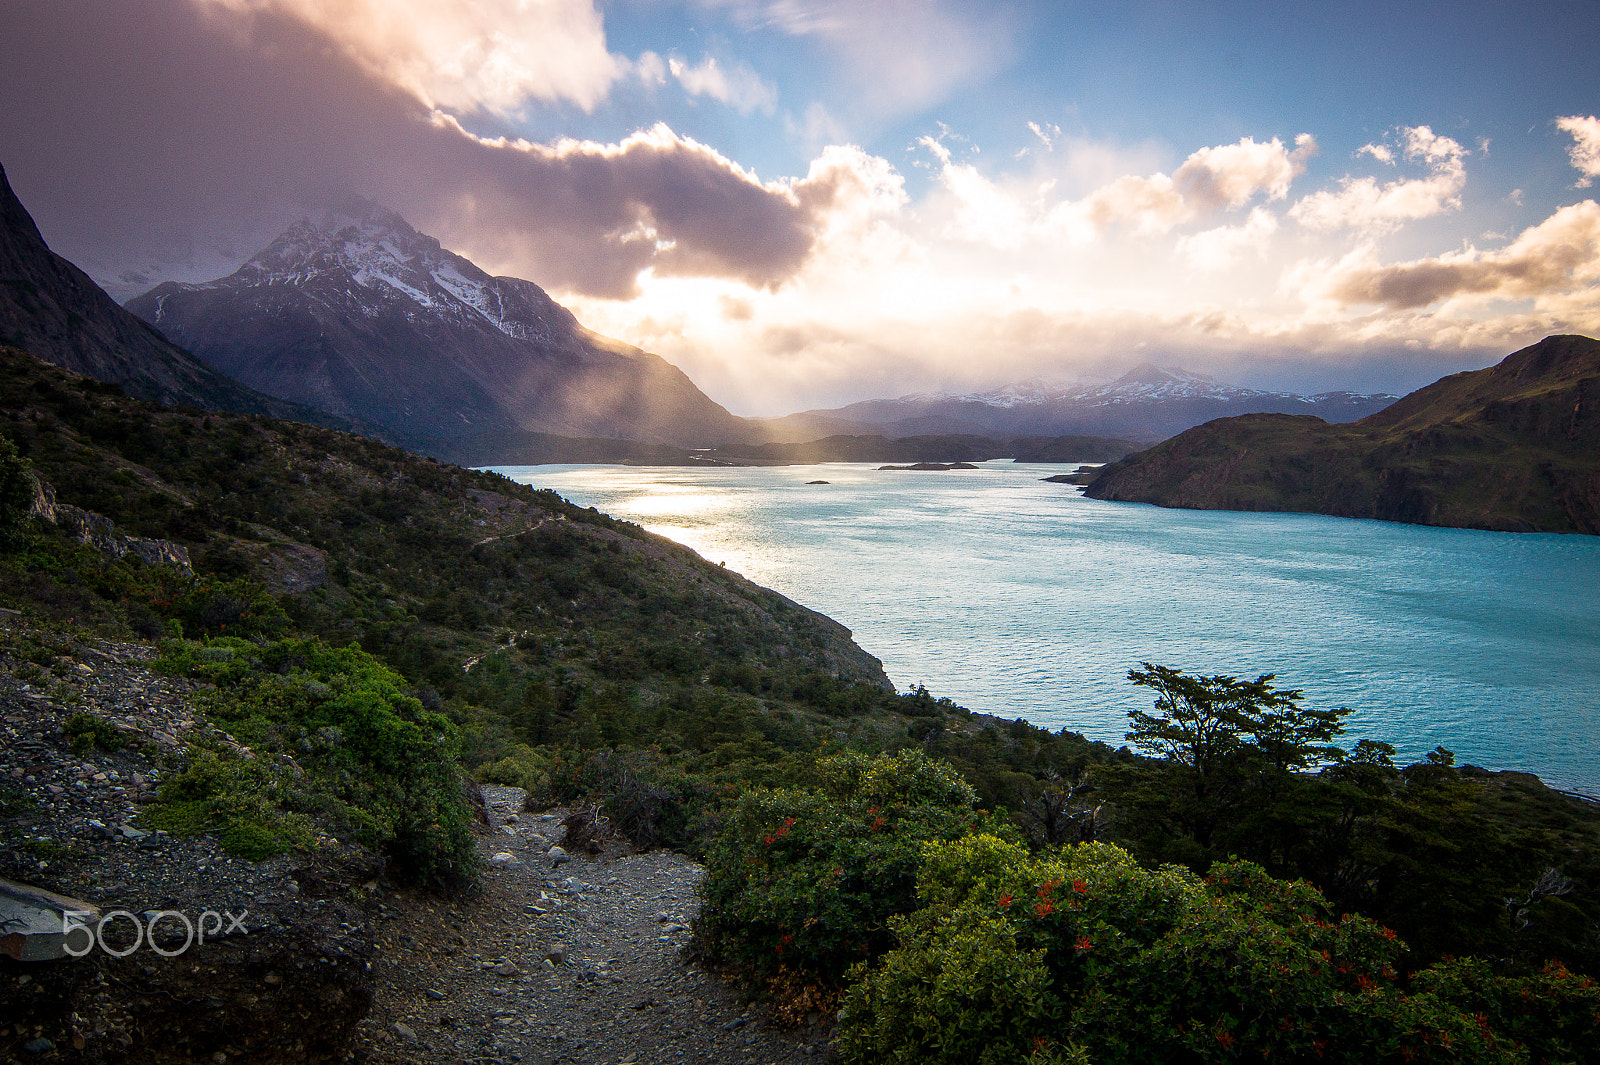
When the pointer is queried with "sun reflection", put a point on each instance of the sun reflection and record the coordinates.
(679, 503)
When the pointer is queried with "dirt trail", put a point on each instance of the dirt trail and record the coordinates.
(572, 962)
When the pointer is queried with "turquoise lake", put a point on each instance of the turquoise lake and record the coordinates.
(1025, 599)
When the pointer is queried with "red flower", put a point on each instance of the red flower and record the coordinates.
(1045, 908)
(1080, 887)
(1084, 944)
(1226, 1038)
(1004, 902)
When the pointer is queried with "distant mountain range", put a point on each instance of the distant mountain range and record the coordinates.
(1148, 403)
(358, 314)
(1513, 447)
(52, 310)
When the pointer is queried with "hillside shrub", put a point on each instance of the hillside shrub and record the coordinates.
(378, 767)
(801, 883)
(650, 799)
(1081, 954)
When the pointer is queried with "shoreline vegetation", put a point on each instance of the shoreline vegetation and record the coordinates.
(363, 629)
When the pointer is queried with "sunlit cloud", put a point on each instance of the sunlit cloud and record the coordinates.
(738, 86)
(1585, 150)
(1211, 179)
(1219, 248)
(592, 216)
(1553, 259)
(1362, 203)
(489, 56)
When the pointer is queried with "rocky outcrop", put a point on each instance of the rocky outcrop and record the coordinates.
(97, 531)
(1514, 447)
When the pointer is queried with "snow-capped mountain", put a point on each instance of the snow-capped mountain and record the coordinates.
(53, 310)
(1147, 403)
(357, 313)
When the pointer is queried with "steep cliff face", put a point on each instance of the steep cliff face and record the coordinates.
(358, 314)
(1513, 447)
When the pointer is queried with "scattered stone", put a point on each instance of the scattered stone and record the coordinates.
(404, 1031)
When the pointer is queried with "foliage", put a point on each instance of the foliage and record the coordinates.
(1429, 850)
(804, 881)
(17, 486)
(373, 763)
(1084, 954)
(85, 732)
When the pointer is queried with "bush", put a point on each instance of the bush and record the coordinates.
(378, 767)
(85, 732)
(649, 799)
(800, 884)
(243, 800)
(1083, 953)
(524, 768)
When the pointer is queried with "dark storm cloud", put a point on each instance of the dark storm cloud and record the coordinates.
(134, 132)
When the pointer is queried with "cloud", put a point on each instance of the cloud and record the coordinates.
(487, 56)
(739, 87)
(1560, 254)
(897, 56)
(1211, 179)
(591, 216)
(1361, 203)
(144, 131)
(1585, 150)
(982, 212)
(1217, 249)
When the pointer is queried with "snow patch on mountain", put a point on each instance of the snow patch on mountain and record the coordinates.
(364, 248)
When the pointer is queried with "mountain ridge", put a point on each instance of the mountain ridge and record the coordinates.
(1514, 447)
(56, 312)
(1147, 403)
(357, 313)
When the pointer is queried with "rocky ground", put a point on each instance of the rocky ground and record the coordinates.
(560, 957)
(563, 958)
(284, 977)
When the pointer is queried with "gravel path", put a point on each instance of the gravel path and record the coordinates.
(564, 959)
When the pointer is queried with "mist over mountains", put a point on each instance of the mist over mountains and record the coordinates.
(1148, 403)
(358, 314)
(55, 312)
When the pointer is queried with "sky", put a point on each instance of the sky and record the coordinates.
(808, 202)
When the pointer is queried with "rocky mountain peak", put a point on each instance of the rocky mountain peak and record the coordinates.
(354, 311)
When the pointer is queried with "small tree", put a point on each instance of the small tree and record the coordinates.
(1208, 723)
